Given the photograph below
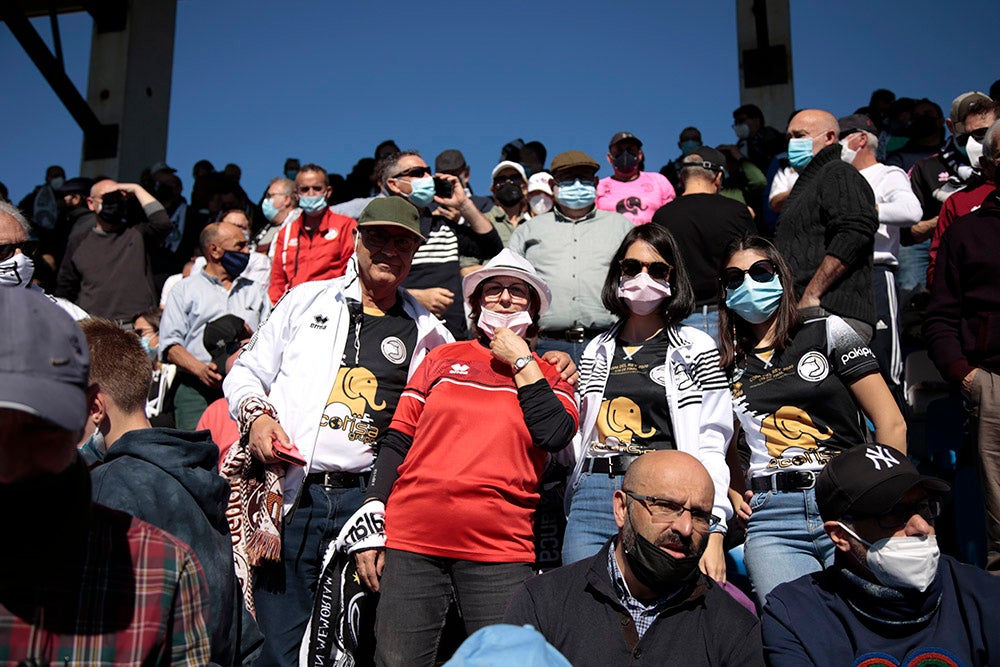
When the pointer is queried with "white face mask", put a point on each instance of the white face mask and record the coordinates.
(974, 149)
(846, 154)
(902, 562)
(642, 294)
(17, 271)
(490, 321)
(540, 203)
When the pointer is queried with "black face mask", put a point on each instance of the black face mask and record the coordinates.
(656, 569)
(509, 194)
(626, 162)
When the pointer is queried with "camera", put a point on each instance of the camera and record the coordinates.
(443, 188)
(118, 207)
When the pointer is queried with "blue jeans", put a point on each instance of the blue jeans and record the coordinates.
(591, 520)
(416, 591)
(704, 319)
(785, 539)
(913, 262)
(284, 592)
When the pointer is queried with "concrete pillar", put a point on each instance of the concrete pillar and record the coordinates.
(131, 63)
(764, 40)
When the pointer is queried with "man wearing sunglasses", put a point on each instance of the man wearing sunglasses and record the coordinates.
(317, 244)
(571, 247)
(17, 264)
(890, 598)
(510, 190)
(938, 177)
(642, 598)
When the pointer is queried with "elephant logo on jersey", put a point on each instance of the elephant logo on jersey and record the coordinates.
(356, 389)
(791, 427)
(621, 418)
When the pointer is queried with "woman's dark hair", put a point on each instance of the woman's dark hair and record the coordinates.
(476, 309)
(735, 334)
(680, 304)
(152, 316)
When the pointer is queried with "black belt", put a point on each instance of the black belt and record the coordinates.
(572, 335)
(612, 466)
(792, 480)
(339, 480)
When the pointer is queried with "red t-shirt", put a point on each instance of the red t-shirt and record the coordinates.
(321, 255)
(468, 487)
(224, 429)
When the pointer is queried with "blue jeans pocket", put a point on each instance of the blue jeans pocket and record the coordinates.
(759, 500)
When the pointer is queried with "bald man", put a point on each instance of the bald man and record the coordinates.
(827, 226)
(642, 598)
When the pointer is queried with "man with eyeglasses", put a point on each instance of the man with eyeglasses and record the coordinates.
(280, 206)
(891, 597)
(17, 263)
(634, 193)
(642, 598)
(317, 244)
(704, 223)
(435, 279)
(324, 373)
(510, 190)
(571, 247)
(827, 226)
(961, 331)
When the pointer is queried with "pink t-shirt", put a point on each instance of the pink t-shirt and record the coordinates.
(637, 200)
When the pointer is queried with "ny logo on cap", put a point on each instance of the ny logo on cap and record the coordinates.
(878, 455)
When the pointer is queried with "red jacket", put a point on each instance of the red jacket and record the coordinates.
(954, 207)
(300, 257)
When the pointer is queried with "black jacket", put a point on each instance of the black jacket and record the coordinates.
(576, 609)
(831, 211)
(170, 479)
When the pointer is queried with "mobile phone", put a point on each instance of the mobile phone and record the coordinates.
(443, 188)
(289, 454)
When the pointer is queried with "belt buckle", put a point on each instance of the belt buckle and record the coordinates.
(575, 334)
(812, 479)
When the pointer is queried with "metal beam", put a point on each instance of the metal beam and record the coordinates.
(764, 41)
(100, 140)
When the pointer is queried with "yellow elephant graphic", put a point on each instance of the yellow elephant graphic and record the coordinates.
(355, 388)
(790, 426)
(621, 417)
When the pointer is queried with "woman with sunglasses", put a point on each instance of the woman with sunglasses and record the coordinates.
(459, 471)
(647, 383)
(801, 390)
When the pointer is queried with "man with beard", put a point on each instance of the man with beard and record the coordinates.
(107, 271)
(642, 599)
(634, 193)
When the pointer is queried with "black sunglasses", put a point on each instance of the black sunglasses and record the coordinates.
(978, 135)
(26, 247)
(657, 270)
(511, 178)
(414, 172)
(761, 271)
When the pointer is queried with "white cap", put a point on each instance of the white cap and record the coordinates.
(507, 164)
(540, 183)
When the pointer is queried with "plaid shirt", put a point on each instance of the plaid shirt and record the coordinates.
(640, 613)
(140, 599)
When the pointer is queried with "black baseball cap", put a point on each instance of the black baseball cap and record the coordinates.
(221, 338)
(711, 159)
(856, 122)
(868, 480)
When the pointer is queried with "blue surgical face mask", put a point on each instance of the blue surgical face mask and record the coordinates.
(270, 211)
(754, 301)
(151, 351)
(312, 204)
(235, 262)
(422, 191)
(578, 195)
(687, 147)
(800, 152)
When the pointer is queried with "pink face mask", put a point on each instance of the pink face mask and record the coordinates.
(641, 293)
(490, 321)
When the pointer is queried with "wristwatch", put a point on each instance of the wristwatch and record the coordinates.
(521, 362)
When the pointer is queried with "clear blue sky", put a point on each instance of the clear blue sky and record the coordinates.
(256, 82)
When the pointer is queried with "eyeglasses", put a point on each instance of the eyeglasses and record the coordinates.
(503, 180)
(310, 188)
(978, 135)
(519, 292)
(929, 509)
(413, 172)
(270, 195)
(761, 271)
(376, 238)
(663, 511)
(657, 270)
(7, 249)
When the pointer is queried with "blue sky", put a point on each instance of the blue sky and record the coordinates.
(257, 81)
